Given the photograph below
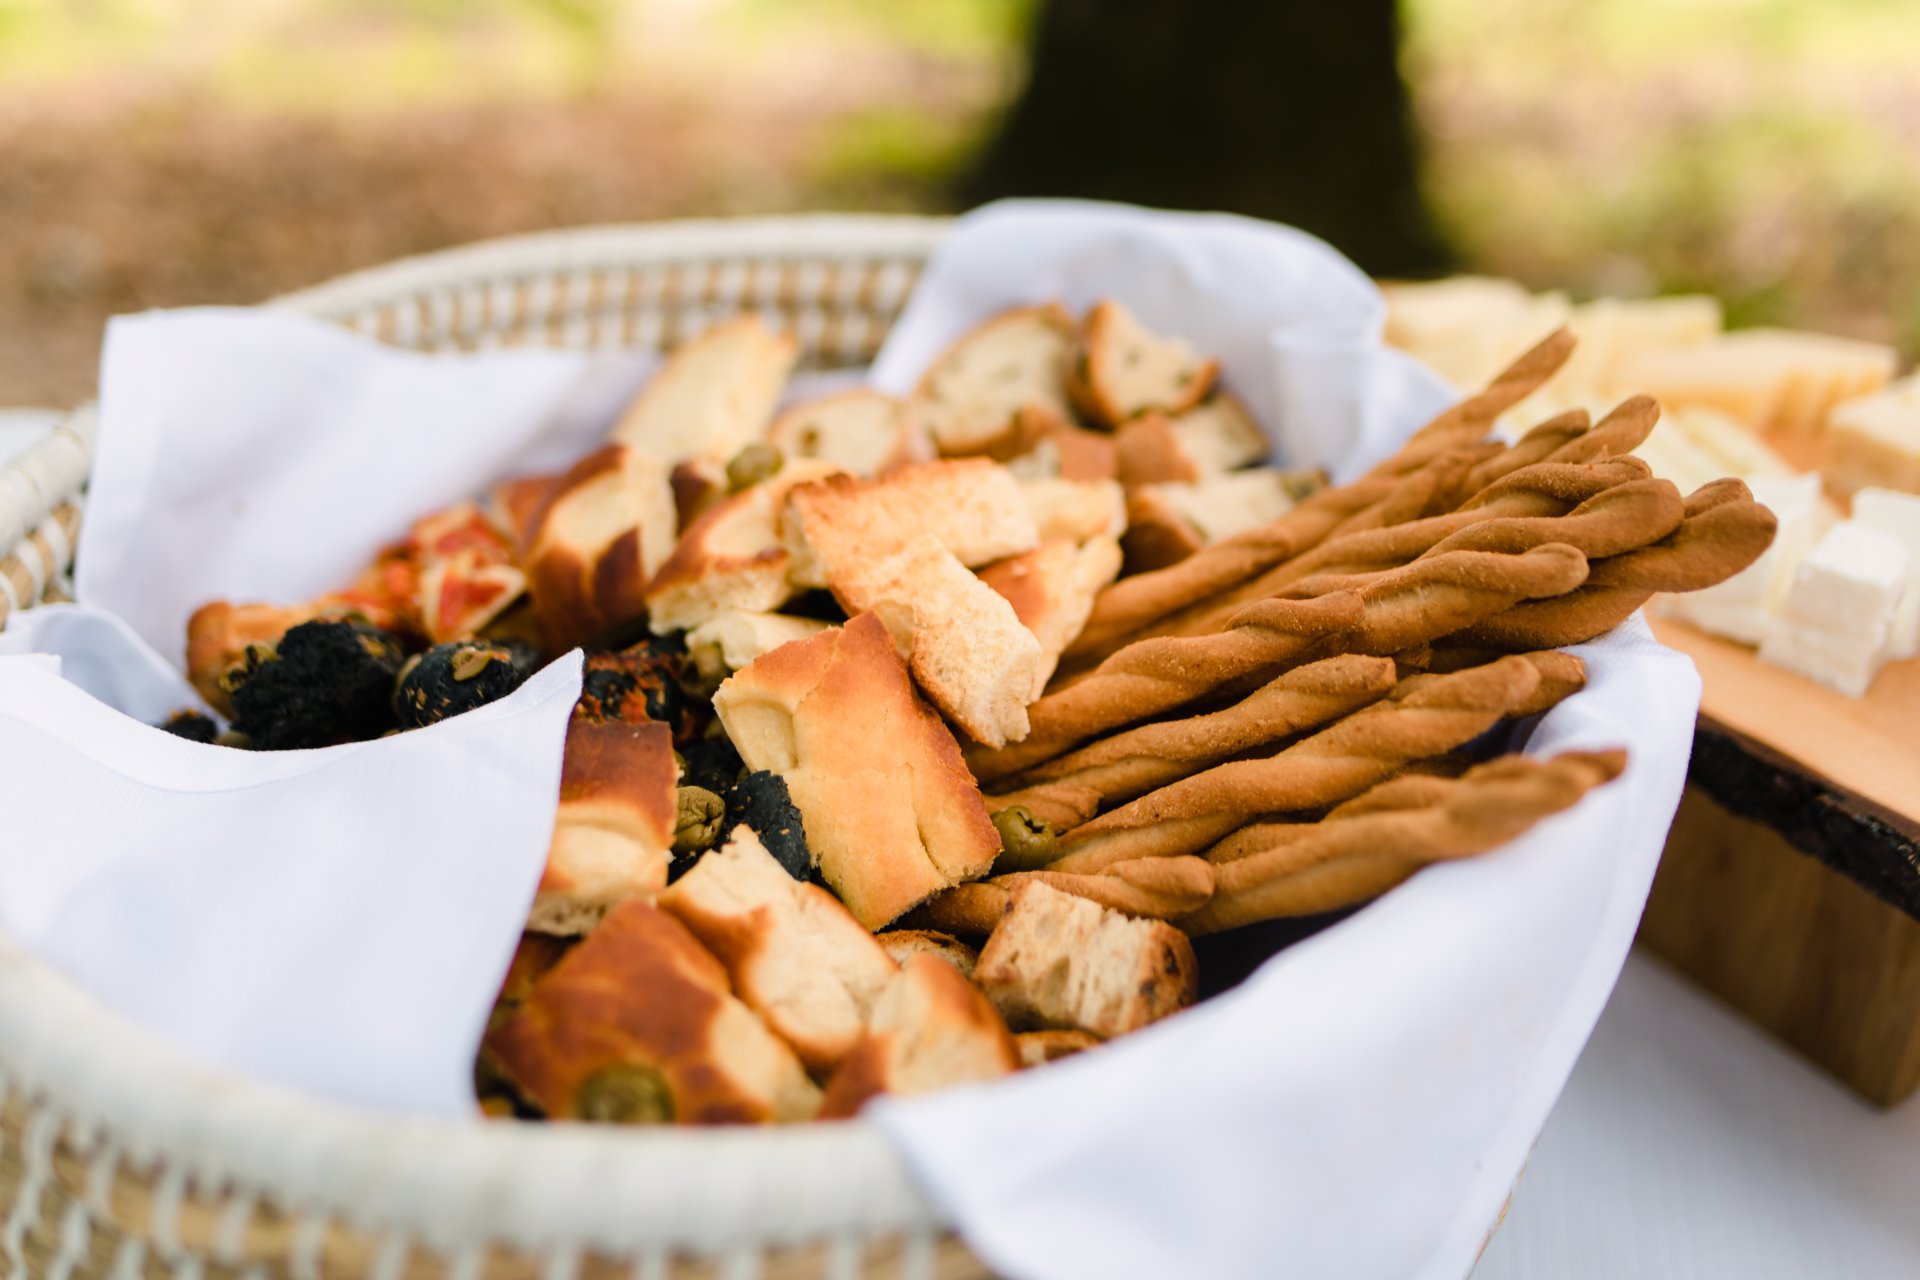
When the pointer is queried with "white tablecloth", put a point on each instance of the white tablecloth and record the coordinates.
(1690, 1146)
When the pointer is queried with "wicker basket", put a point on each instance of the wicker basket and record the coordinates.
(120, 1158)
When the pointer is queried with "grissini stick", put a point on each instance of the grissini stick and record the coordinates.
(1158, 888)
(1339, 762)
(1619, 433)
(1372, 843)
(1132, 763)
(1149, 677)
(1469, 421)
(1616, 520)
(1536, 446)
(970, 909)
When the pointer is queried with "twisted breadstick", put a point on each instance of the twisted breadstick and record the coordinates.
(1374, 842)
(1139, 760)
(1719, 539)
(1158, 888)
(1570, 482)
(1622, 431)
(1535, 446)
(1469, 421)
(1616, 520)
(1152, 676)
(969, 909)
(1338, 762)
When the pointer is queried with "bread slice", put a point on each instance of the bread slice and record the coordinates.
(1059, 961)
(1038, 1048)
(964, 644)
(605, 530)
(613, 832)
(891, 814)
(636, 1025)
(1076, 509)
(1221, 506)
(970, 506)
(972, 398)
(1052, 589)
(1122, 369)
(731, 557)
(863, 431)
(732, 639)
(698, 483)
(1217, 437)
(796, 957)
(932, 1029)
(1158, 532)
(713, 396)
(904, 944)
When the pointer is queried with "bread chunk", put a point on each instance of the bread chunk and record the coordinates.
(1076, 509)
(970, 506)
(904, 944)
(713, 396)
(931, 1029)
(1158, 531)
(795, 955)
(1222, 506)
(613, 833)
(965, 646)
(733, 638)
(1122, 369)
(1052, 589)
(976, 393)
(636, 1026)
(731, 556)
(1063, 962)
(891, 814)
(604, 532)
(863, 431)
(1038, 1048)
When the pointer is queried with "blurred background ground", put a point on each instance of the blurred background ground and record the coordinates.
(165, 152)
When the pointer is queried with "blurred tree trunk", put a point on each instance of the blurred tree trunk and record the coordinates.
(1286, 109)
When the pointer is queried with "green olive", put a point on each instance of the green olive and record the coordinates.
(758, 461)
(1026, 843)
(624, 1093)
(696, 819)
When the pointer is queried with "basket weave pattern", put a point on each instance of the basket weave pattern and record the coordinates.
(118, 1160)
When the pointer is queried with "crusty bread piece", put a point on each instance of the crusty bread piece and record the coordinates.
(613, 832)
(796, 957)
(731, 557)
(1052, 589)
(516, 504)
(1038, 1048)
(636, 1025)
(964, 644)
(1061, 961)
(713, 396)
(1122, 369)
(903, 944)
(970, 506)
(931, 1029)
(1158, 532)
(973, 396)
(697, 484)
(731, 640)
(603, 533)
(862, 430)
(1061, 451)
(1217, 437)
(891, 814)
(1221, 506)
(1077, 509)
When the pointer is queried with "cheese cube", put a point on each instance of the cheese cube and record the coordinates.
(1875, 440)
(1898, 516)
(1742, 607)
(1838, 613)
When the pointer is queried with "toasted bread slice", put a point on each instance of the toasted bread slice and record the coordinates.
(796, 957)
(1003, 377)
(903, 944)
(1217, 437)
(1122, 369)
(731, 640)
(1060, 961)
(1051, 589)
(713, 396)
(964, 644)
(932, 1029)
(613, 832)
(1221, 506)
(862, 431)
(604, 532)
(1076, 509)
(891, 814)
(970, 506)
(636, 1026)
(1158, 532)
(732, 557)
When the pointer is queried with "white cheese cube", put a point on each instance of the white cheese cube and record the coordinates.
(1834, 624)
(1875, 440)
(1898, 516)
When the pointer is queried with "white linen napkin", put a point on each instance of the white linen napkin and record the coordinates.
(1361, 1106)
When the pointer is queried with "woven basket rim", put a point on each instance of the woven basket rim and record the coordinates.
(451, 1185)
